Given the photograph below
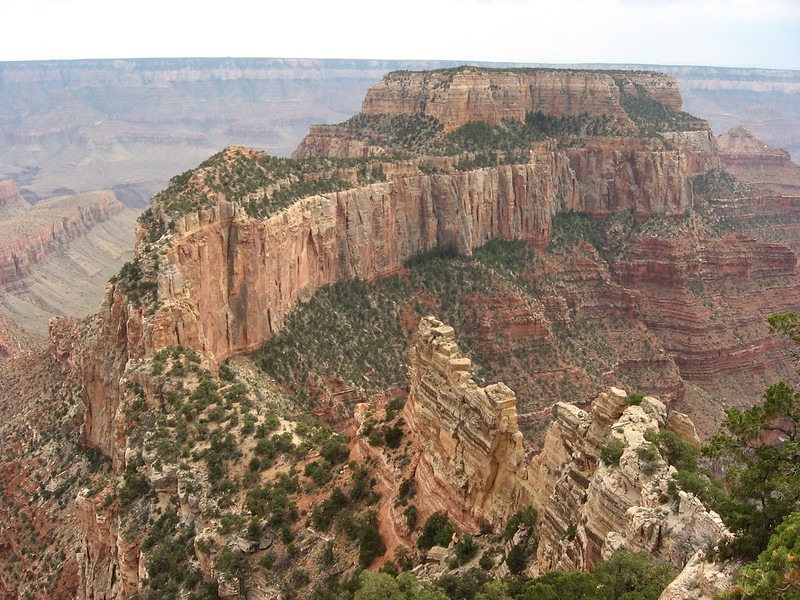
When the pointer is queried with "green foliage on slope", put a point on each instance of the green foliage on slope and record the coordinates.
(263, 184)
(625, 576)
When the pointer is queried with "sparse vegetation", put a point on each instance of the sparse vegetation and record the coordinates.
(718, 183)
(437, 531)
(611, 451)
(140, 290)
(263, 184)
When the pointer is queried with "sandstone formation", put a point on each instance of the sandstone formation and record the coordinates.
(673, 274)
(457, 96)
(702, 579)
(369, 230)
(610, 506)
(365, 232)
(474, 466)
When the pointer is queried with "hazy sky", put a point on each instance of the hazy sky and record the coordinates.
(749, 33)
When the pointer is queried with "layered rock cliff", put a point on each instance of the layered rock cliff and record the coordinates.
(473, 465)
(33, 233)
(457, 96)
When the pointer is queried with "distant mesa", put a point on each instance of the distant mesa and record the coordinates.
(753, 161)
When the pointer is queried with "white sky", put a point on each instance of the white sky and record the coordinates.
(746, 33)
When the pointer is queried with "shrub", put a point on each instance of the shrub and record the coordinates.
(437, 531)
(516, 559)
(370, 543)
(465, 549)
(411, 516)
(635, 398)
(525, 517)
(611, 450)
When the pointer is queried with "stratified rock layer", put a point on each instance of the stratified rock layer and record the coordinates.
(457, 96)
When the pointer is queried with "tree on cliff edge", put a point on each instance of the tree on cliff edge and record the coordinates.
(761, 447)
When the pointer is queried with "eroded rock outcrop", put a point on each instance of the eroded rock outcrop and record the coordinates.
(702, 579)
(590, 508)
(221, 282)
(228, 281)
(473, 465)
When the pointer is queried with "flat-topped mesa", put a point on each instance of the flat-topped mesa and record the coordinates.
(457, 96)
(473, 460)
(220, 278)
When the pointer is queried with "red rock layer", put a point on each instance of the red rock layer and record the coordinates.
(708, 299)
(758, 164)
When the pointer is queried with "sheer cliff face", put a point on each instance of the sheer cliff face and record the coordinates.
(473, 464)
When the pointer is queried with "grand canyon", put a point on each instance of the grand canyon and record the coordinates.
(480, 304)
